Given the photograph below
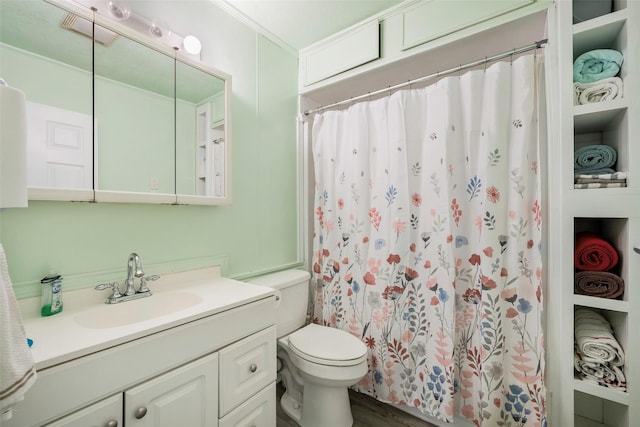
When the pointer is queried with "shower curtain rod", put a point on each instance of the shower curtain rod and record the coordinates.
(512, 52)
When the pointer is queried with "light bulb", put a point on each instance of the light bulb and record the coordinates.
(192, 45)
(159, 31)
(119, 11)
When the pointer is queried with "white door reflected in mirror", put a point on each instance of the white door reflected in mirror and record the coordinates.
(59, 148)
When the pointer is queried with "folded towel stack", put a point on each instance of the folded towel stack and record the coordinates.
(598, 356)
(594, 257)
(594, 76)
(593, 167)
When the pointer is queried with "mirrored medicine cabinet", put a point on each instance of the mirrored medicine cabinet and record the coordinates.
(114, 116)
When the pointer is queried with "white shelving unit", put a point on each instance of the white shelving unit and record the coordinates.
(613, 213)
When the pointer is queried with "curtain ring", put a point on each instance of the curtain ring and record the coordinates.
(485, 63)
(460, 71)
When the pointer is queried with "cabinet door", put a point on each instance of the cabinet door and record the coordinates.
(433, 19)
(259, 411)
(185, 396)
(246, 367)
(106, 413)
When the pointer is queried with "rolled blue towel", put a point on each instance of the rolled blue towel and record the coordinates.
(597, 65)
(599, 158)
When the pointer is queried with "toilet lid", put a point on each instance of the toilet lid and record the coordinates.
(327, 346)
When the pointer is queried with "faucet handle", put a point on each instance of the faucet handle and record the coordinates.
(143, 282)
(114, 286)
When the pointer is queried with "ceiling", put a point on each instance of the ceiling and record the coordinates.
(300, 23)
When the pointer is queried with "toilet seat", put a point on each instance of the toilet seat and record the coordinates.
(327, 346)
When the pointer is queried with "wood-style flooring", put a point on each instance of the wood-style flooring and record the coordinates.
(367, 412)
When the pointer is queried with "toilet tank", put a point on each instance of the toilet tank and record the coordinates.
(293, 289)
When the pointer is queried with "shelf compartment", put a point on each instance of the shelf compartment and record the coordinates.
(603, 30)
(598, 115)
(596, 411)
(619, 324)
(616, 232)
(603, 393)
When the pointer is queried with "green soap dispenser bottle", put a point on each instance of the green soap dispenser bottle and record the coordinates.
(51, 301)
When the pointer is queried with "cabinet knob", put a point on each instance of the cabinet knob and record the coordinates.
(111, 423)
(253, 368)
(140, 412)
(636, 248)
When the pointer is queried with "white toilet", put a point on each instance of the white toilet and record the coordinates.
(316, 363)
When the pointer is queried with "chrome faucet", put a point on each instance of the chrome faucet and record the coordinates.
(134, 269)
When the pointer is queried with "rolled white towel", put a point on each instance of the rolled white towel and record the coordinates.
(601, 373)
(595, 339)
(601, 90)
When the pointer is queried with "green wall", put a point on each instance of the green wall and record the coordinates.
(90, 242)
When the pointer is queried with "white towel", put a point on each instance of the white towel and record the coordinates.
(608, 176)
(17, 369)
(594, 338)
(598, 91)
(601, 373)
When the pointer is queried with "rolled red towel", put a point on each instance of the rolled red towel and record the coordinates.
(593, 253)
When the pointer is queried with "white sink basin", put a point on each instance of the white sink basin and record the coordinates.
(139, 310)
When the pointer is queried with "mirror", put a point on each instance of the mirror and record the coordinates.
(145, 124)
(200, 99)
(52, 66)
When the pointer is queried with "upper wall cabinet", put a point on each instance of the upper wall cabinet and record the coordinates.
(430, 20)
(343, 52)
(400, 35)
(113, 115)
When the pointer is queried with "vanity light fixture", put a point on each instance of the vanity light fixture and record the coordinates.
(120, 11)
(192, 45)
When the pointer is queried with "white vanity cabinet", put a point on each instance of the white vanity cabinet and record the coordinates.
(184, 396)
(215, 367)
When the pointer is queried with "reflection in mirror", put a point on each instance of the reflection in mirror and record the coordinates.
(117, 132)
(45, 55)
(200, 125)
(134, 117)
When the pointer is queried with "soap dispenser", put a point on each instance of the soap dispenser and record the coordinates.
(51, 301)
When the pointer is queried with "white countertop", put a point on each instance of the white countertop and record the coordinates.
(87, 324)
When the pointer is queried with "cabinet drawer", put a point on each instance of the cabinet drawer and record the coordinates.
(259, 411)
(246, 367)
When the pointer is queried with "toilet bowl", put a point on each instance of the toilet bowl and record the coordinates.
(316, 363)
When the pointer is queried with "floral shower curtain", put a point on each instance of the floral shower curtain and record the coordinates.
(427, 243)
